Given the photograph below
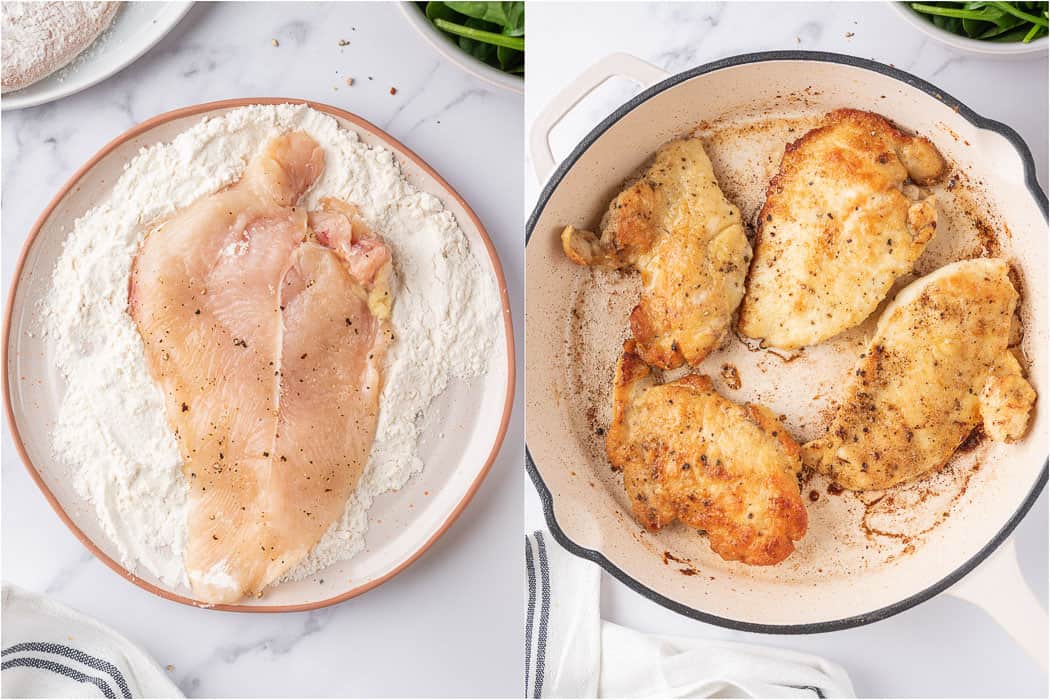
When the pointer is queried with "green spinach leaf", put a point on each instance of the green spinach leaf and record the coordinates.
(504, 14)
(493, 32)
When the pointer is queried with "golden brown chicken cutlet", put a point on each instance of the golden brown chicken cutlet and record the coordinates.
(688, 453)
(938, 366)
(843, 219)
(677, 228)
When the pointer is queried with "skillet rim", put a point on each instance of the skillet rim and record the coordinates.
(1032, 184)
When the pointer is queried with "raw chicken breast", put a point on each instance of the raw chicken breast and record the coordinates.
(268, 345)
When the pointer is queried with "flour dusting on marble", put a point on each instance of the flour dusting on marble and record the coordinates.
(111, 428)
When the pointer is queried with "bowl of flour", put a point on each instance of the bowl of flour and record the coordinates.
(89, 420)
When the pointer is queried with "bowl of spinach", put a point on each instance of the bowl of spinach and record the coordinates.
(487, 39)
(1005, 28)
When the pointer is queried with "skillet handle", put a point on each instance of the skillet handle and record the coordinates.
(614, 65)
(997, 587)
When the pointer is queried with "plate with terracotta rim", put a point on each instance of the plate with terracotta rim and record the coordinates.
(472, 416)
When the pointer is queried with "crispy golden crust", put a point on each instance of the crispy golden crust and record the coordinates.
(689, 454)
(937, 367)
(1006, 400)
(840, 223)
(678, 229)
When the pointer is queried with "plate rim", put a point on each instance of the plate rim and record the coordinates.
(13, 103)
(555, 179)
(400, 148)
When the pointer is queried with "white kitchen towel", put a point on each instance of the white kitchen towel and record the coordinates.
(570, 652)
(51, 651)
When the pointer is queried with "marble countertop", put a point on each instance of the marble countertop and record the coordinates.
(434, 630)
(945, 647)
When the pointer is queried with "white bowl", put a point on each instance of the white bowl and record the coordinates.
(448, 48)
(992, 48)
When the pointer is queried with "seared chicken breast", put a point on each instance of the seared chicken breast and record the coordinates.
(843, 219)
(688, 453)
(938, 367)
(677, 228)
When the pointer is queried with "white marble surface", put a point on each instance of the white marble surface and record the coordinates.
(943, 648)
(450, 625)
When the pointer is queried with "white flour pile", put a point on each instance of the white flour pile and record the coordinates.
(111, 427)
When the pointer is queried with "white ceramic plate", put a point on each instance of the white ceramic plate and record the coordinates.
(448, 48)
(137, 27)
(463, 434)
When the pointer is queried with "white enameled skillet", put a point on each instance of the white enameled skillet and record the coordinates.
(845, 573)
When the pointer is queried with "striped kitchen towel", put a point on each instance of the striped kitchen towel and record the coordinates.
(570, 652)
(51, 651)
